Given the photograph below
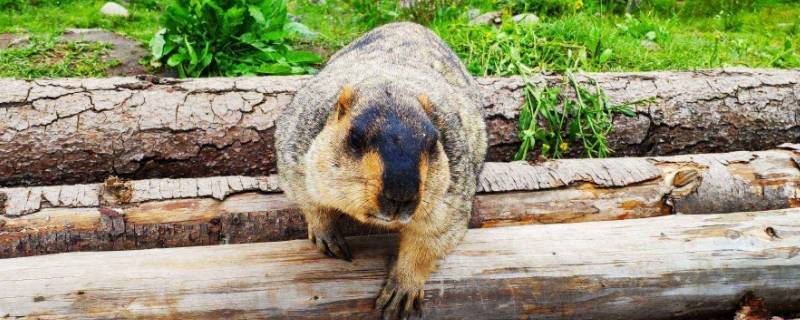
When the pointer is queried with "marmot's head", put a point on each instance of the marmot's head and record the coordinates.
(379, 157)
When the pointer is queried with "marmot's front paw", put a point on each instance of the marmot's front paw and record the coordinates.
(400, 300)
(330, 242)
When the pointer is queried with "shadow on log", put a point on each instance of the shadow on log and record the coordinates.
(82, 131)
(674, 267)
(184, 212)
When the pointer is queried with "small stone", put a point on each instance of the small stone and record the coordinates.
(11, 40)
(650, 45)
(114, 9)
(472, 13)
(525, 19)
(489, 18)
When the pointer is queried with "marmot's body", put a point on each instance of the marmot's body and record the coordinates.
(391, 133)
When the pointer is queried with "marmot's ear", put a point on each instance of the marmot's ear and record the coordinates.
(345, 101)
(426, 104)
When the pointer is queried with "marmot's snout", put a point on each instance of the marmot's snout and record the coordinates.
(401, 187)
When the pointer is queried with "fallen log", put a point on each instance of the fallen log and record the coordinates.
(83, 130)
(201, 211)
(674, 267)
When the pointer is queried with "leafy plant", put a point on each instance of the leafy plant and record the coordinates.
(553, 120)
(231, 38)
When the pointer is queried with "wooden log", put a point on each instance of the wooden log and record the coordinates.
(674, 267)
(81, 131)
(202, 211)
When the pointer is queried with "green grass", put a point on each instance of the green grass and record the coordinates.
(696, 34)
(45, 57)
(657, 37)
(52, 17)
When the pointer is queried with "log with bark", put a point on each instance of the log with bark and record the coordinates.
(81, 131)
(200, 211)
(674, 267)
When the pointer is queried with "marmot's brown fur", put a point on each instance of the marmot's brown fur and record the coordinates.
(391, 133)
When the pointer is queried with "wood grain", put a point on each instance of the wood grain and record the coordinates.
(674, 267)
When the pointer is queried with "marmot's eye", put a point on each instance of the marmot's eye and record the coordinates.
(356, 142)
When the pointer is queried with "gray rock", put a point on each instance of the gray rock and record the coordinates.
(649, 45)
(489, 18)
(114, 9)
(525, 18)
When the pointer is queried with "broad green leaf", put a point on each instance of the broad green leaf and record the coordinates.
(275, 68)
(192, 54)
(255, 12)
(302, 56)
(176, 59)
(274, 36)
(605, 55)
(232, 20)
(301, 29)
(157, 44)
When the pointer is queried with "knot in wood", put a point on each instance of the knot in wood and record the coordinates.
(685, 177)
(116, 191)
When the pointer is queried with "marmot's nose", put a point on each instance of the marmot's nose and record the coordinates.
(400, 207)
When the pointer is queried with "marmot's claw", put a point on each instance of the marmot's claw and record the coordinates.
(399, 301)
(332, 244)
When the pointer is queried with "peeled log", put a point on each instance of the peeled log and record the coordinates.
(681, 266)
(201, 211)
(83, 130)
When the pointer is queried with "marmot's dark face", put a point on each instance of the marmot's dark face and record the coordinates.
(404, 144)
(379, 159)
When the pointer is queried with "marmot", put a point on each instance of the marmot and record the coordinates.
(391, 133)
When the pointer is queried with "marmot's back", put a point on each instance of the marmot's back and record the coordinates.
(401, 47)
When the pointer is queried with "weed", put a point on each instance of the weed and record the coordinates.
(427, 11)
(249, 37)
(554, 120)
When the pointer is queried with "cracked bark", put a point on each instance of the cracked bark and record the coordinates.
(675, 267)
(83, 130)
(201, 211)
